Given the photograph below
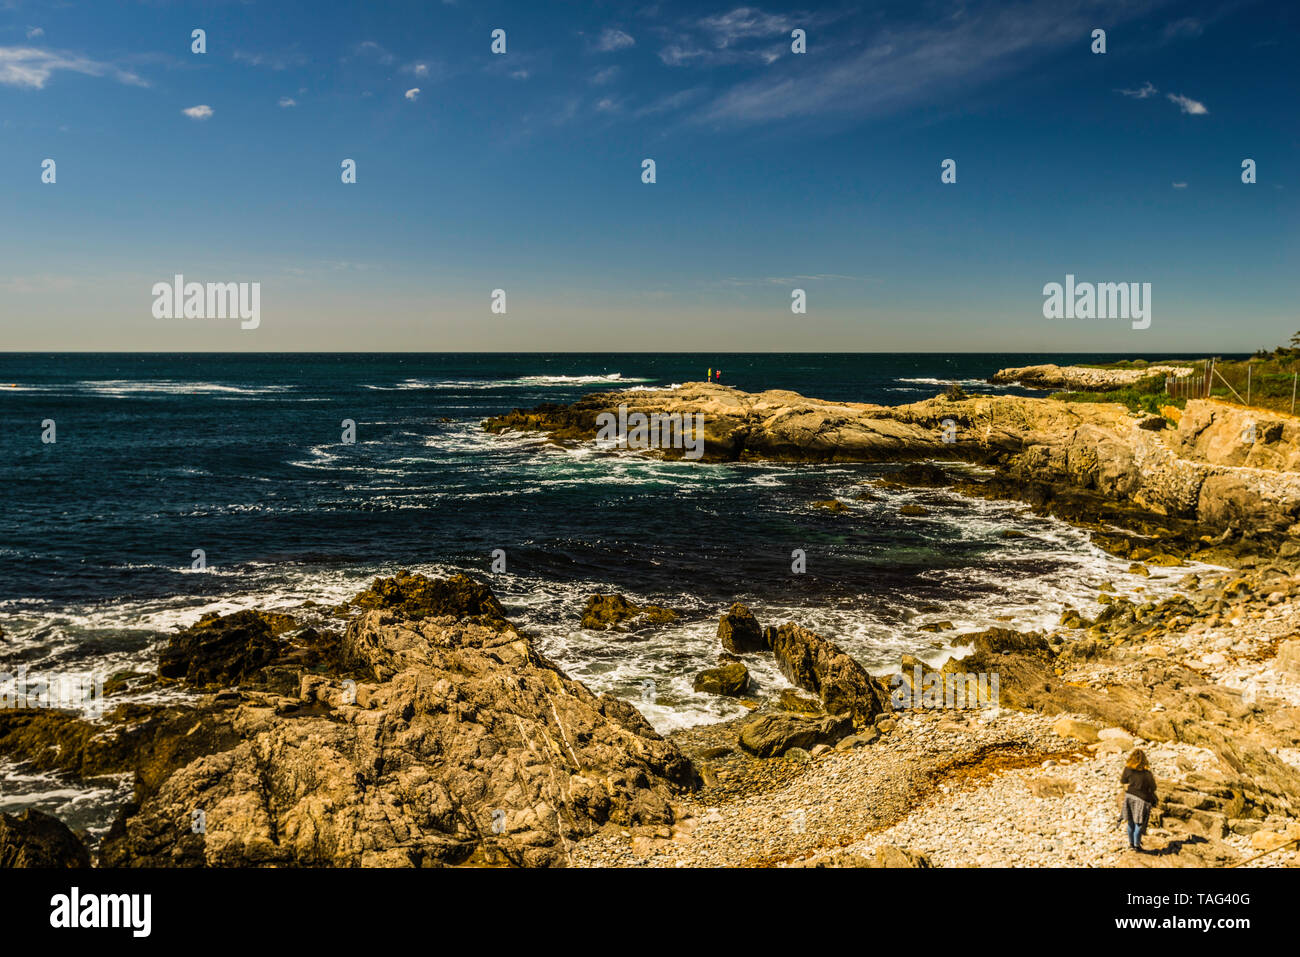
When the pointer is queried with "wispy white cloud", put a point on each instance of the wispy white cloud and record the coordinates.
(200, 112)
(1142, 92)
(727, 38)
(947, 51)
(744, 23)
(287, 101)
(601, 77)
(1187, 104)
(32, 67)
(612, 39)
(412, 93)
(1179, 185)
(678, 54)
(35, 33)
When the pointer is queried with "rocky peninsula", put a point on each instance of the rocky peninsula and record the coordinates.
(1084, 378)
(1210, 469)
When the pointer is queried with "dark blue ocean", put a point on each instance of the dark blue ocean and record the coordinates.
(240, 456)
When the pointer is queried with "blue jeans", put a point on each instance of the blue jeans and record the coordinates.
(1134, 834)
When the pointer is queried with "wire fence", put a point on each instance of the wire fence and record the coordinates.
(1186, 386)
(1241, 384)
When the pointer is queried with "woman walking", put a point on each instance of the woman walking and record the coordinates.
(1139, 797)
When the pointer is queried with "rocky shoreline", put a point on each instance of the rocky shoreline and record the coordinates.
(1084, 378)
(423, 728)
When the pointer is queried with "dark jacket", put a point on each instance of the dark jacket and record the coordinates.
(1140, 784)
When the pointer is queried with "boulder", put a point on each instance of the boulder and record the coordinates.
(739, 631)
(854, 741)
(822, 667)
(36, 839)
(1117, 737)
(771, 735)
(222, 650)
(1078, 730)
(614, 612)
(731, 679)
(1271, 840)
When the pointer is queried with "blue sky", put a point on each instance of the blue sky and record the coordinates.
(522, 171)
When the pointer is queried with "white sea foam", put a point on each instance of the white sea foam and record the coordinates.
(522, 382)
(964, 382)
(131, 388)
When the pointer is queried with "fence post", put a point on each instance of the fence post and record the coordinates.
(1293, 381)
(1248, 368)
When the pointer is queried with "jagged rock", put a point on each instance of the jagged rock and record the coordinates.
(36, 839)
(150, 741)
(464, 744)
(831, 505)
(739, 631)
(617, 613)
(731, 679)
(416, 596)
(822, 667)
(222, 650)
(771, 735)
